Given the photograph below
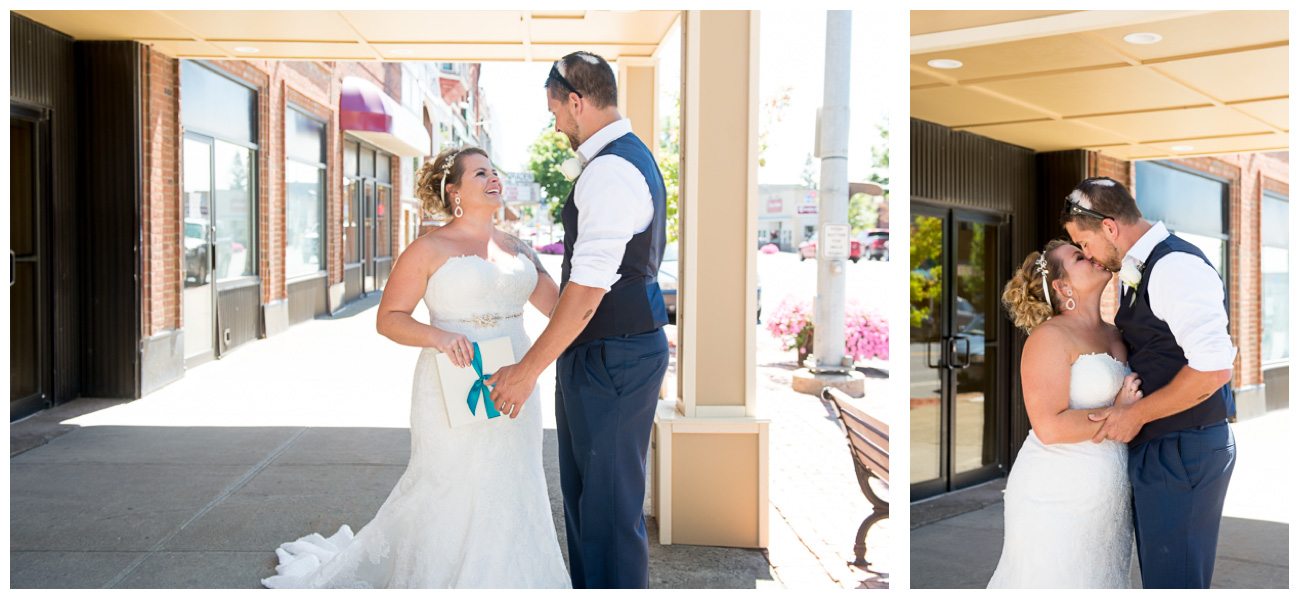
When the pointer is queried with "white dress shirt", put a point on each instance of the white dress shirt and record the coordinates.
(614, 204)
(1187, 294)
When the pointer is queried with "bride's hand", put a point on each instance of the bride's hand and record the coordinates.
(1130, 392)
(457, 347)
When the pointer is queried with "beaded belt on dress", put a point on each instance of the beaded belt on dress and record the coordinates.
(489, 320)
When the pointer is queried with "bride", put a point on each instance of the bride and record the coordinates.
(471, 510)
(1068, 506)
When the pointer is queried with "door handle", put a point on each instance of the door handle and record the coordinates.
(966, 357)
(13, 266)
(928, 346)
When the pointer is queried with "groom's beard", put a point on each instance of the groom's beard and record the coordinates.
(1112, 260)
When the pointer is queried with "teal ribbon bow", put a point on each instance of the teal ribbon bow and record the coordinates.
(480, 387)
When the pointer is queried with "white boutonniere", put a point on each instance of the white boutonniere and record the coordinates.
(1131, 275)
(571, 168)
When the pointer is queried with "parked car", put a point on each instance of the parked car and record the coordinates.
(876, 244)
(668, 280)
(197, 264)
(808, 249)
(668, 283)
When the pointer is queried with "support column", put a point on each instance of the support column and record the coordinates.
(638, 98)
(710, 447)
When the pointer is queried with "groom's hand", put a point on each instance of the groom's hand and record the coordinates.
(1122, 424)
(510, 388)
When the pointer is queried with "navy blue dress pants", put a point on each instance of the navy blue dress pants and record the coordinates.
(605, 398)
(1179, 482)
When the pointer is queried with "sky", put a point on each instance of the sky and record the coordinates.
(792, 50)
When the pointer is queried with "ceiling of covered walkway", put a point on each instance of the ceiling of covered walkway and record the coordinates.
(1206, 82)
(469, 36)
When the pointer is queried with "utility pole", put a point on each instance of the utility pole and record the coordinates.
(828, 365)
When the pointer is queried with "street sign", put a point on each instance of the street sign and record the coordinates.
(835, 241)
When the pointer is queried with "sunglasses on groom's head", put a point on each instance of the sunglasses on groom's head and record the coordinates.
(555, 74)
(1077, 209)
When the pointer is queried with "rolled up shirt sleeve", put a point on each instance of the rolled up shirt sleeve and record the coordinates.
(1187, 294)
(614, 204)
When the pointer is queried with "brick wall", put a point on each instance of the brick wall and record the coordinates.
(1100, 165)
(311, 85)
(162, 239)
(1248, 175)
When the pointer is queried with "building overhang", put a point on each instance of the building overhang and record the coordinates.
(366, 112)
(387, 35)
(1206, 82)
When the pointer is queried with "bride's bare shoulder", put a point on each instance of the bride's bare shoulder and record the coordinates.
(1048, 339)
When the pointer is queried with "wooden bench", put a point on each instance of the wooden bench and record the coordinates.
(869, 445)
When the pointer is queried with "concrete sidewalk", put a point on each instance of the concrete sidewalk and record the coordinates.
(957, 538)
(195, 485)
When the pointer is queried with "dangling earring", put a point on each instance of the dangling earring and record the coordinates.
(459, 212)
(1069, 302)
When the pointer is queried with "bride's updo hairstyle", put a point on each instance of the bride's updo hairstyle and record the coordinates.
(435, 175)
(1023, 297)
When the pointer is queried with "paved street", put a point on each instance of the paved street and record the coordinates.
(195, 485)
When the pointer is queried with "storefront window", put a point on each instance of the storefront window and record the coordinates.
(305, 194)
(236, 227)
(304, 243)
(351, 213)
(1192, 205)
(1275, 272)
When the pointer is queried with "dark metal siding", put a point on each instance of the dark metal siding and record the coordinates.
(110, 169)
(239, 312)
(42, 71)
(960, 169)
(307, 299)
(1058, 173)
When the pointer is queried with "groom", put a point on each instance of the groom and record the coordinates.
(606, 330)
(1174, 319)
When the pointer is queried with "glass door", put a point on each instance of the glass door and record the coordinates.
(368, 235)
(29, 340)
(957, 379)
(199, 315)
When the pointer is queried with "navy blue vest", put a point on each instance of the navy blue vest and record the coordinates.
(1155, 356)
(634, 303)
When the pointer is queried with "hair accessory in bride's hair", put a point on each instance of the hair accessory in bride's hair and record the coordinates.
(1042, 268)
(446, 172)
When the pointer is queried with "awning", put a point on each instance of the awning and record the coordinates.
(368, 113)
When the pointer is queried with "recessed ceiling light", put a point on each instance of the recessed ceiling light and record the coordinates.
(945, 63)
(1142, 38)
(1182, 148)
(248, 49)
(401, 51)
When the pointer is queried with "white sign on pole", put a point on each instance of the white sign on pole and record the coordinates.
(835, 241)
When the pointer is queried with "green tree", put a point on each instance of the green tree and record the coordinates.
(926, 270)
(863, 213)
(864, 210)
(669, 161)
(545, 155)
(809, 175)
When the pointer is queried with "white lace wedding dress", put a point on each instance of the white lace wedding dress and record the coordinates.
(1068, 507)
(471, 510)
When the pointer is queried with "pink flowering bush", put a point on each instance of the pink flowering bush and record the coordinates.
(770, 249)
(866, 332)
(792, 322)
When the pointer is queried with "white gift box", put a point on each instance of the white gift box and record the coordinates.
(457, 382)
